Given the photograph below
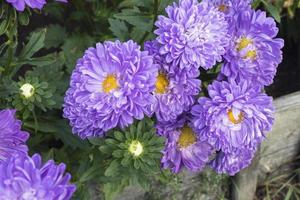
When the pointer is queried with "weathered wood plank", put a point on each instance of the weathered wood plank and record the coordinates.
(281, 146)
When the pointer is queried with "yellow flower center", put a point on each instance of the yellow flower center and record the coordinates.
(250, 54)
(233, 119)
(161, 84)
(244, 42)
(27, 90)
(187, 137)
(136, 148)
(223, 8)
(110, 83)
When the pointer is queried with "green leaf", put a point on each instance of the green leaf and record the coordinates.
(74, 47)
(39, 61)
(119, 135)
(272, 10)
(112, 169)
(23, 17)
(118, 153)
(89, 174)
(36, 42)
(105, 149)
(289, 194)
(55, 36)
(111, 189)
(119, 29)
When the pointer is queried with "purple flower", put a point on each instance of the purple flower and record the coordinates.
(24, 177)
(193, 35)
(235, 115)
(19, 5)
(232, 162)
(254, 53)
(12, 139)
(175, 92)
(230, 8)
(184, 147)
(110, 86)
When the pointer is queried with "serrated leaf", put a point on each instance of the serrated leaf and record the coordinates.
(119, 29)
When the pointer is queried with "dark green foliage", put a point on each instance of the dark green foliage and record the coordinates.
(41, 48)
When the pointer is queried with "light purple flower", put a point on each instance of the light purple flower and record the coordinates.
(254, 53)
(20, 5)
(234, 116)
(26, 178)
(12, 139)
(175, 90)
(184, 147)
(231, 8)
(110, 87)
(192, 35)
(232, 162)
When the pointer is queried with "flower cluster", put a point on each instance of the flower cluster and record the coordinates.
(25, 177)
(22, 176)
(20, 5)
(234, 119)
(116, 83)
(12, 138)
(110, 87)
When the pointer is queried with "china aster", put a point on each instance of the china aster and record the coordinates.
(232, 162)
(192, 34)
(24, 177)
(234, 115)
(184, 146)
(254, 51)
(230, 8)
(20, 5)
(12, 138)
(175, 91)
(110, 87)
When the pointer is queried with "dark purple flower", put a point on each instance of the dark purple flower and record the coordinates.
(184, 147)
(12, 139)
(254, 53)
(235, 115)
(20, 5)
(232, 162)
(192, 35)
(175, 91)
(26, 178)
(110, 86)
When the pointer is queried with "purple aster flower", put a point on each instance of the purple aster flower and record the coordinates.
(193, 35)
(19, 5)
(24, 177)
(184, 147)
(254, 53)
(110, 86)
(230, 8)
(235, 115)
(175, 91)
(232, 162)
(12, 139)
